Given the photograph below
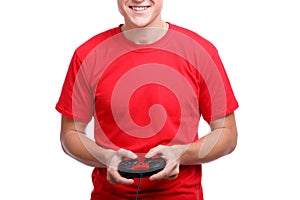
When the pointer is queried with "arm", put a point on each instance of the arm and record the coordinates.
(75, 144)
(219, 142)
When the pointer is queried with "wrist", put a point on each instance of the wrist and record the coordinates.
(189, 154)
(108, 155)
(180, 153)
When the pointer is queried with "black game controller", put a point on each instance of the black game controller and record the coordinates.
(140, 168)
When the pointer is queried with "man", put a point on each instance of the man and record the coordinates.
(146, 83)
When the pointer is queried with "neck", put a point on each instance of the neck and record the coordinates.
(145, 35)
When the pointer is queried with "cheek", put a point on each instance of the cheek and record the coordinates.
(121, 7)
(159, 6)
(159, 3)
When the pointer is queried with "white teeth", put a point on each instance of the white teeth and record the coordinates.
(139, 8)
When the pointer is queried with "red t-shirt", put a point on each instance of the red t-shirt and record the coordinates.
(141, 96)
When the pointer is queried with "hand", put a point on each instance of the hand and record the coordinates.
(114, 158)
(172, 156)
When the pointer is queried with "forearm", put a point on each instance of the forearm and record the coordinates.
(80, 147)
(207, 149)
(219, 142)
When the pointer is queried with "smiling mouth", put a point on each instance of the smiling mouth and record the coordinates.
(139, 8)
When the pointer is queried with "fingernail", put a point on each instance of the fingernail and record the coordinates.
(149, 155)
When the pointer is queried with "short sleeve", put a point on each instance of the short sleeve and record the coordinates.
(76, 98)
(216, 97)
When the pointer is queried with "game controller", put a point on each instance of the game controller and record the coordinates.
(140, 168)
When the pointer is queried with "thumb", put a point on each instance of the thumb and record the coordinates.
(154, 151)
(126, 153)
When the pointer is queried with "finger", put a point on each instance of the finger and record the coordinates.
(127, 154)
(174, 173)
(171, 171)
(155, 151)
(172, 177)
(164, 174)
(114, 177)
(159, 176)
(116, 159)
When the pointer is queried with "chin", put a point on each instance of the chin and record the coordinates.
(141, 23)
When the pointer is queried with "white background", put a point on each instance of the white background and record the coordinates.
(258, 42)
